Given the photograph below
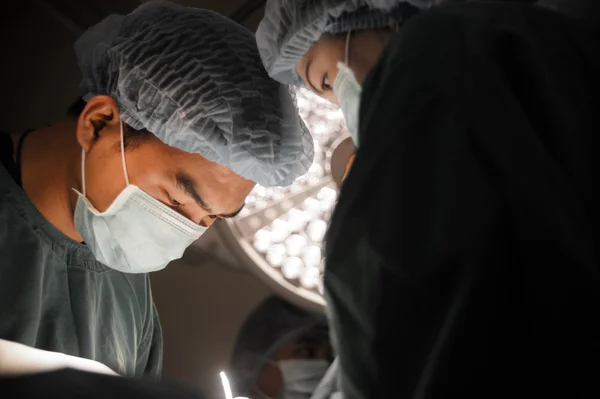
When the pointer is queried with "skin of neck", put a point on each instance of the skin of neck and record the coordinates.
(50, 170)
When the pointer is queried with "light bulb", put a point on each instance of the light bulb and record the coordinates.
(318, 128)
(278, 195)
(312, 256)
(250, 201)
(260, 191)
(310, 278)
(296, 220)
(262, 240)
(260, 204)
(312, 207)
(316, 170)
(327, 194)
(292, 268)
(276, 254)
(295, 244)
(280, 230)
(327, 197)
(316, 230)
(296, 187)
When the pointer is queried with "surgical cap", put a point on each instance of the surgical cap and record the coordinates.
(194, 78)
(290, 27)
(269, 328)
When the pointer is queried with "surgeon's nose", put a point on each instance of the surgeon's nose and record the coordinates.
(207, 221)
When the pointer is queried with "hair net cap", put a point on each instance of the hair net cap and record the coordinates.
(272, 325)
(194, 78)
(290, 27)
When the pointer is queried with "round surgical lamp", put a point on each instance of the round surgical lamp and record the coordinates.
(279, 235)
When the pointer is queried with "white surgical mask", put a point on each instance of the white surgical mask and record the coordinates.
(137, 233)
(301, 377)
(347, 91)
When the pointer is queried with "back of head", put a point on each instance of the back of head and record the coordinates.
(194, 79)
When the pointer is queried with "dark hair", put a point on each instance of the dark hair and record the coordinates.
(133, 138)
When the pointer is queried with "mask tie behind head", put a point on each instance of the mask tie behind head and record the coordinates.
(347, 49)
(123, 153)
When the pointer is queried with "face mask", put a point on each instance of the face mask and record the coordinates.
(347, 90)
(301, 377)
(137, 233)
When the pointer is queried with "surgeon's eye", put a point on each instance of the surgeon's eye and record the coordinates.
(325, 84)
(174, 202)
(307, 352)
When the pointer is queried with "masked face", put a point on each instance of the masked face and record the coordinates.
(137, 233)
(300, 378)
(336, 65)
(297, 367)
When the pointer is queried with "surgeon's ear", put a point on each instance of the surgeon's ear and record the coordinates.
(100, 114)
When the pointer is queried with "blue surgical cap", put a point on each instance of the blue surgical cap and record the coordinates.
(271, 326)
(194, 78)
(290, 27)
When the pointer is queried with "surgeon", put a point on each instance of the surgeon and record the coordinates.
(281, 352)
(177, 123)
(462, 258)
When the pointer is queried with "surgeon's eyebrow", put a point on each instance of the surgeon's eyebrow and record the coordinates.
(188, 185)
(234, 214)
(306, 71)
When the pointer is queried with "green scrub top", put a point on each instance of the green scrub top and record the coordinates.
(55, 296)
(462, 258)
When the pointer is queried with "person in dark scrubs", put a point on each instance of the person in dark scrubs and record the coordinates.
(462, 258)
(177, 123)
(281, 351)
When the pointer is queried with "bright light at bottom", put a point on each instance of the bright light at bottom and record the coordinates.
(227, 387)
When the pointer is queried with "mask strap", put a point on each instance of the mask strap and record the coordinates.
(122, 155)
(347, 51)
(83, 170)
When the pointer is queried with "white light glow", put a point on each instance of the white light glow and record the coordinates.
(276, 254)
(262, 240)
(280, 230)
(327, 194)
(292, 268)
(316, 230)
(312, 256)
(310, 278)
(312, 207)
(297, 220)
(316, 170)
(293, 241)
(295, 244)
